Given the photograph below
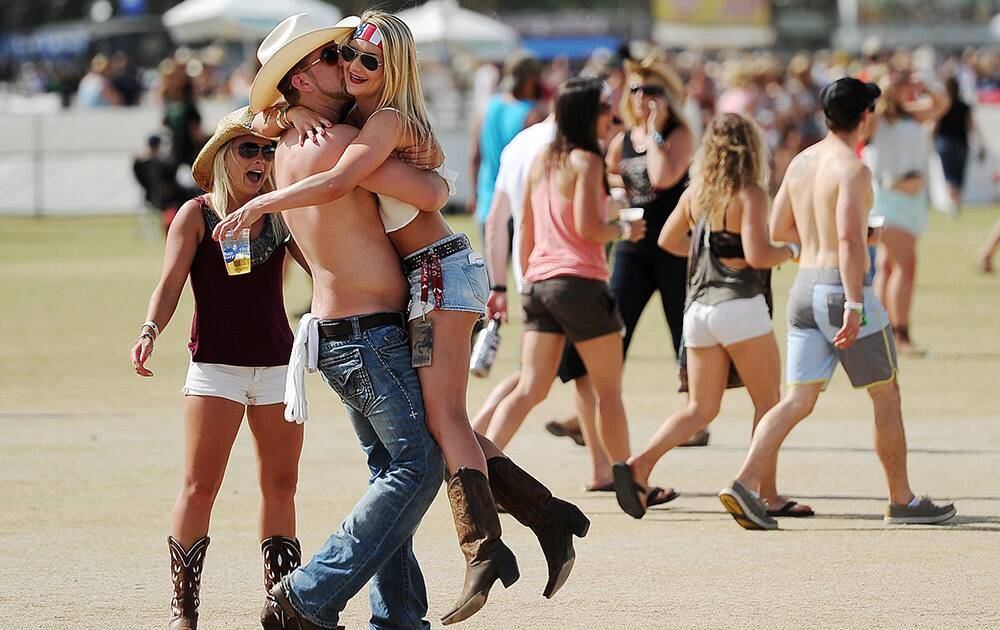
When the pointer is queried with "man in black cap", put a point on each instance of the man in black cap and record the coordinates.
(834, 316)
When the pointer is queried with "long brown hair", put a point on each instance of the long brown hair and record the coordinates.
(732, 156)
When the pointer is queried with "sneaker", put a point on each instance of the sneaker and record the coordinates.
(746, 507)
(924, 513)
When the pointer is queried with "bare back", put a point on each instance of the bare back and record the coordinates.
(813, 184)
(355, 269)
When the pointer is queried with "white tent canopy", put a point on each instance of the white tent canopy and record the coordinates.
(441, 28)
(238, 20)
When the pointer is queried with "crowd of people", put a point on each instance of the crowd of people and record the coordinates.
(335, 161)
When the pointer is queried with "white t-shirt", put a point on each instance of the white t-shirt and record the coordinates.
(515, 164)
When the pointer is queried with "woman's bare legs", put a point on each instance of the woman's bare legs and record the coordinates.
(540, 356)
(210, 428)
(586, 405)
(444, 384)
(708, 371)
(899, 248)
(481, 423)
(279, 445)
(989, 248)
(603, 358)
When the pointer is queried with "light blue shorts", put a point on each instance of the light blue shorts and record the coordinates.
(815, 314)
(465, 283)
(902, 210)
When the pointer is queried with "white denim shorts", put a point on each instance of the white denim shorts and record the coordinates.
(726, 323)
(245, 385)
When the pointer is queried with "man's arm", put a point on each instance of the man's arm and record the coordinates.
(426, 190)
(497, 246)
(782, 218)
(852, 196)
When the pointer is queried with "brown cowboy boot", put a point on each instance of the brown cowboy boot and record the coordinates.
(487, 559)
(553, 520)
(185, 570)
(290, 617)
(281, 556)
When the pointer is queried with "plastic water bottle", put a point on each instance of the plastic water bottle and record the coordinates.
(485, 349)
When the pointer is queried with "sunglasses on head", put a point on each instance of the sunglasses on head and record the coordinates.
(648, 90)
(249, 150)
(369, 61)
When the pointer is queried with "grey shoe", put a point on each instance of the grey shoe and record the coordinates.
(924, 513)
(746, 507)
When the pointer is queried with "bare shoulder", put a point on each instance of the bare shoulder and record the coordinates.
(585, 161)
(188, 221)
(856, 172)
(802, 163)
(387, 121)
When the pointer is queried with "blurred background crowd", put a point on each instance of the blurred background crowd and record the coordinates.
(765, 58)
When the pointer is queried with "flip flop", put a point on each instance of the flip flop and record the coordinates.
(608, 487)
(788, 510)
(627, 491)
(659, 496)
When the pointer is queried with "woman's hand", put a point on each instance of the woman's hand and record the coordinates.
(426, 156)
(910, 185)
(308, 123)
(246, 216)
(659, 114)
(638, 230)
(141, 352)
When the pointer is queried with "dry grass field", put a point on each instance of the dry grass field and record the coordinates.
(90, 464)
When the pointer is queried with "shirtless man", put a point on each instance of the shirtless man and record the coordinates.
(823, 203)
(359, 294)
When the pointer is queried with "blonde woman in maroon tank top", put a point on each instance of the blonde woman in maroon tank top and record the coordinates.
(564, 228)
(240, 345)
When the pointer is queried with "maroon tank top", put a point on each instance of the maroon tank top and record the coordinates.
(239, 320)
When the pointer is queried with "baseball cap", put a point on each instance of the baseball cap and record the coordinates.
(848, 96)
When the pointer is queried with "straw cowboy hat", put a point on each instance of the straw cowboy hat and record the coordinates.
(285, 46)
(232, 125)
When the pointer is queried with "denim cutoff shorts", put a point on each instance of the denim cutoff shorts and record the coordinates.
(466, 283)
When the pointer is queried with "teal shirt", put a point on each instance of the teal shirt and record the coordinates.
(502, 121)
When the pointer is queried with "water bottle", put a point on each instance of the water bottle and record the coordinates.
(485, 349)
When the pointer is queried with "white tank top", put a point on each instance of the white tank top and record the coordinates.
(398, 214)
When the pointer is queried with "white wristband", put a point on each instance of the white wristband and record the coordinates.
(795, 249)
(624, 230)
(153, 326)
(857, 307)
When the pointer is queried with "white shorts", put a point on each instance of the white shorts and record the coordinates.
(726, 323)
(245, 385)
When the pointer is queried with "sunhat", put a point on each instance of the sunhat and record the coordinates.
(285, 46)
(232, 125)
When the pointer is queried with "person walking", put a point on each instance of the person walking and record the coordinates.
(951, 140)
(834, 316)
(721, 220)
(228, 376)
(563, 231)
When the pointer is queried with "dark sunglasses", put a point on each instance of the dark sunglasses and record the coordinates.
(369, 61)
(249, 150)
(648, 90)
(329, 56)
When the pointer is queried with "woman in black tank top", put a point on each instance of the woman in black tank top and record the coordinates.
(240, 345)
(727, 319)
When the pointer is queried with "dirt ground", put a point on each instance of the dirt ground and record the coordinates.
(90, 465)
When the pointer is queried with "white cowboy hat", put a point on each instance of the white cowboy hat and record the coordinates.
(285, 46)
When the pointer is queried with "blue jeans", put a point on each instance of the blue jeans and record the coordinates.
(371, 372)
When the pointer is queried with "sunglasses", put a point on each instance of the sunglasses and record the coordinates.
(369, 61)
(330, 56)
(648, 90)
(250, 150)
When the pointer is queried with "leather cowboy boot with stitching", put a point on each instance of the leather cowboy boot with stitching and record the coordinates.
(487, 558)
(185, 571)
(553, 520)
(282, 555)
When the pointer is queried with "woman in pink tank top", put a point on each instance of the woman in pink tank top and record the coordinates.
(564, 229)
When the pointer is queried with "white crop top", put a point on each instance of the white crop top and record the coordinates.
(398, 214)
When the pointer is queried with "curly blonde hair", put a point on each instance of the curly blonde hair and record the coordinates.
(732, 156)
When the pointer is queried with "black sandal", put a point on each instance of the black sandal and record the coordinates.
(627, 491)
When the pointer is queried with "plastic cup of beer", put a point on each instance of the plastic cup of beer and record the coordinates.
(875, 224)
(631, 214)
(236, 252)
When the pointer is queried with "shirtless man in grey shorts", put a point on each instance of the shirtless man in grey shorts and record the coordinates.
(833, 314)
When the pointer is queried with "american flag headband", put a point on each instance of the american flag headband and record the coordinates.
(369, 33)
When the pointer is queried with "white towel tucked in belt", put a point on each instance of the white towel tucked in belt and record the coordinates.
(305, 356)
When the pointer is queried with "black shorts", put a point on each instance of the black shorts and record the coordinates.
(579, 308)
